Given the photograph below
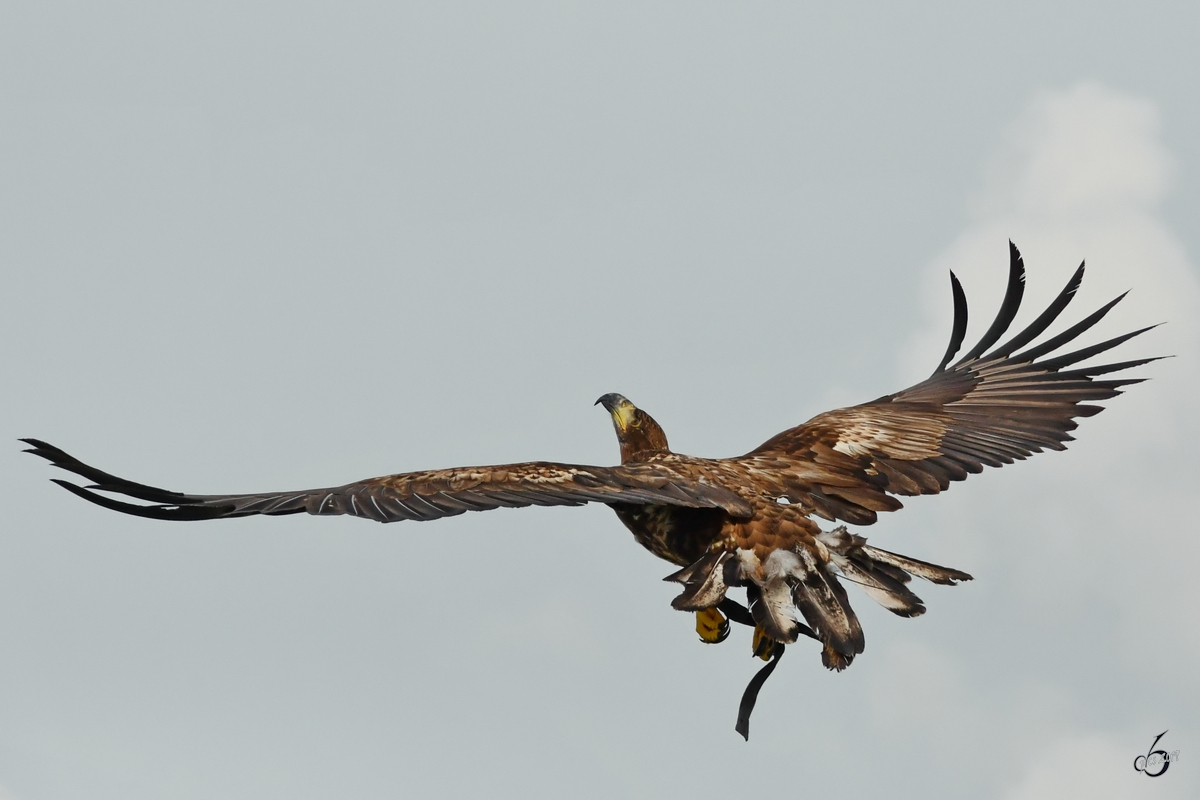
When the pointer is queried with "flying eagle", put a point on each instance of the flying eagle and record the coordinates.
(750, 522)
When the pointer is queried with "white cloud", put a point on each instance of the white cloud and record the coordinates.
(1086, 153)
(1101, 539)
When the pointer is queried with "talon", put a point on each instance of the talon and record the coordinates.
(712, 626)
(764, 645)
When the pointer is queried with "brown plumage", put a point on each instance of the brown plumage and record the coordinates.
(749, 522)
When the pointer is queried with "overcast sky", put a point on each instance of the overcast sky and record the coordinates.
(249, 247)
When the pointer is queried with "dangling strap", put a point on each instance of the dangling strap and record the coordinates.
(750, 696)
(739, 613)
(736, 611)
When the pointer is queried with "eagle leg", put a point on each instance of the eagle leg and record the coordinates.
(763, 645)
(712, 626)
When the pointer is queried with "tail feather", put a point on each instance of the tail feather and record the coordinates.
(884, 575)
(883, 588)
(922, 569)
(795, 583)
(822, 601)
(773, 610)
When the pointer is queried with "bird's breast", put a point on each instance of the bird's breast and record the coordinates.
(674, 533)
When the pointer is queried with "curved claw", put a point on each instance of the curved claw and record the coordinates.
(712, 626)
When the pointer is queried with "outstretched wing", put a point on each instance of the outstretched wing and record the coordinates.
(413, 495)
(987, 409)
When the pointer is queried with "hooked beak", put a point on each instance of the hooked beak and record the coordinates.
(620, 409)
(611, 401)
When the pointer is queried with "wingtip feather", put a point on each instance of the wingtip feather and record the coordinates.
(1013, 294)
(958, 330)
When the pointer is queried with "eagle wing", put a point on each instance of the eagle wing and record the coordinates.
(414, 495)
(989, 408)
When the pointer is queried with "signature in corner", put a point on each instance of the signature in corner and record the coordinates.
(1155, 759)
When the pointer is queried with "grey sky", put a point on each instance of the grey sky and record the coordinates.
(254, 246)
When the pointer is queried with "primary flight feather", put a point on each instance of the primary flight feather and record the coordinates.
(749, 522)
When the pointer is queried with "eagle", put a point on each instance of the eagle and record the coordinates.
(751, 522)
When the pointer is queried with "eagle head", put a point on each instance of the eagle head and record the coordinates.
(639, 435)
